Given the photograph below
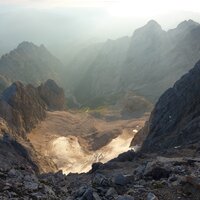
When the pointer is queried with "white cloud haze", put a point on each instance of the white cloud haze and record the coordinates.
(61, 23)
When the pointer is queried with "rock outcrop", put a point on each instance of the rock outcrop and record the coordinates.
(22, 107)
(12, 152)
(175, 120)
(17, 151)
(52, 95)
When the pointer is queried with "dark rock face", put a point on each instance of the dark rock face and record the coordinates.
(157, 173)
(22, 107)
(12, 152)
(52, 95)
(175, 120)
(17, 151)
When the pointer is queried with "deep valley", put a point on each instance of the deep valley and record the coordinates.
(119, 120)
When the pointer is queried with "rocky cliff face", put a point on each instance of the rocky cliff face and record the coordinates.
(175, 120)
(52, 95)
(12, 152)
(17, 151)
(22, 107)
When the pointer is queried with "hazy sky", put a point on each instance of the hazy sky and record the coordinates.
(116, 7)
(64, 24)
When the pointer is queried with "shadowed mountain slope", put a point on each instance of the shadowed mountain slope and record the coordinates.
(176, 117)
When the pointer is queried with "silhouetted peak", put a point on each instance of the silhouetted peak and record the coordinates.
(11, 90)
(153, 24)
(151, 27)
(26, 44)
(29, 46)
(187, 24)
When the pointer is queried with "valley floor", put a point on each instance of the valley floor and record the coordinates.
(75, 140)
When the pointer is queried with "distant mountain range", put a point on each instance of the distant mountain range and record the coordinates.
(30, 64)
(146, 64)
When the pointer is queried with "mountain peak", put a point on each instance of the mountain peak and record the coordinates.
(187, 24)
(153, 24)
(25, 44)
(151, 27)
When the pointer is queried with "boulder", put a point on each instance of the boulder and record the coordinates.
(111, 192)
(125, 197)
(151, 196)
(100, 180)
(120, 179)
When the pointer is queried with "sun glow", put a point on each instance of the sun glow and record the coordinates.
(144, 8)
(117, 8)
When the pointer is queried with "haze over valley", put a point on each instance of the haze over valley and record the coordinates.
(99, 100)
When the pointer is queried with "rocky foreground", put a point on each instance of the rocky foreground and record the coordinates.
(128, 177)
